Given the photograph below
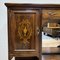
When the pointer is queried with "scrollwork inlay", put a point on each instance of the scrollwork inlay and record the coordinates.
(25, 31)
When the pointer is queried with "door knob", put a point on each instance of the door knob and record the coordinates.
(38, 30)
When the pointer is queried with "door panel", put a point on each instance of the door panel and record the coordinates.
(24, 32)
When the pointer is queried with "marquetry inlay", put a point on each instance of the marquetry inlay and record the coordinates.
(25, 31)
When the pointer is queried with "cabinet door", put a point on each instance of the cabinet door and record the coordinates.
(24, 32)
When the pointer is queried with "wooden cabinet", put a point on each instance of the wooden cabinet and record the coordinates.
(23, 31)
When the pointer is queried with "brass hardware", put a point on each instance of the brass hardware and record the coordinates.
(38, 30)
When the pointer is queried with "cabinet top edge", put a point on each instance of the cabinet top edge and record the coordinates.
(32, 5)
